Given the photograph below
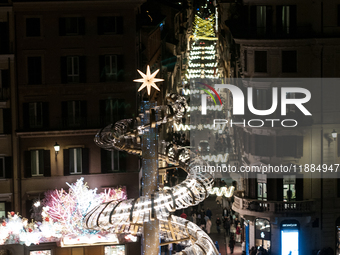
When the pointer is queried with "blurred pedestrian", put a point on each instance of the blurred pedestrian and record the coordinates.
(208, 226)
(217, 246)
(208, 213)
(218, 224)
(231, 244)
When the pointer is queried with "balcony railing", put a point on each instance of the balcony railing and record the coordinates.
(273, 206)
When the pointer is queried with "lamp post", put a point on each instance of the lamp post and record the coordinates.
(334, 134)
(56, 149)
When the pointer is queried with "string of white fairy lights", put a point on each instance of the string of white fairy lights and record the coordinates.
(128, 216)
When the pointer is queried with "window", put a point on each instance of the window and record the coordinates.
(260, 61)
(71, 26)
(74, 113)
(2, 167)
(261, 19)
(2, 210)
(111, 68)
(262, 187)
(32, 27)
(110, 25)
(112, 110)
(73, 69)
(115, 250)
(5, 121)
(289, 146)
(262, 145)
(34, 70)
(286, 19)
(37, 162)
(260, 100)
(113, 161)
(289, 61)
(5, 167)
(35, 115)
(41, 252)
(289, 189)
(290, 107)
(75, 160)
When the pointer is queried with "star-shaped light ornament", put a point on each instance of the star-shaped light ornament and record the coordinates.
(148, 80)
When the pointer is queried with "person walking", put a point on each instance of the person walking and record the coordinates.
(208, 213)
(217, 246)
(226, 225)
(183, 215)
(208, 226)
(238, 233)
(218, 224)
(203, 222)
(231, 244)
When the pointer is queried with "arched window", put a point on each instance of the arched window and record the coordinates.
(262, 233)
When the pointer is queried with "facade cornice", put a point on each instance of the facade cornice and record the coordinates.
(81, 132)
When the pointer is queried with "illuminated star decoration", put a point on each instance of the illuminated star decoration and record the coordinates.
(148, 80)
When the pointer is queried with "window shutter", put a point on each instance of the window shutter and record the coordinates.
(102, 112)
(299, 146)
(63, 69)
(85, 162)
(66, 162)
(279, 189)
(8, 167)
(8, 207)
(7, 120)
(253, 21)
(100, 25)
(279, 146)
(81, 24)
(299, 187)
(83, 112)
(104, 158)
(253, 188)
(270, 188)
(47, 163)
(120, 67)
(292, 19)
(82, 69)
(5, 82)
(26, 116)
(62, 26)
(279, 18)
(252, 144)
(269, 19)
(64, 113)
(45, 112)
(28, 172)
(102, 75)
(120, 25)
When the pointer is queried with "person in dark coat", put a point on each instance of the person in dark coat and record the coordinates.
(226, 225)
(208, 213)
(218, 224)
(217, 246)
(231, 244)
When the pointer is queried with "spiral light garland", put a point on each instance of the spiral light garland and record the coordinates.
(128, 216)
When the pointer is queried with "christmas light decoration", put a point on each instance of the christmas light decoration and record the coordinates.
(223, 191)
(62, 218)
(148, 80)
(128, 216)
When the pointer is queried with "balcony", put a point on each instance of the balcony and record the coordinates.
(258, 208)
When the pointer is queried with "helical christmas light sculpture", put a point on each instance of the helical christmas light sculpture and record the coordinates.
(128, 216)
